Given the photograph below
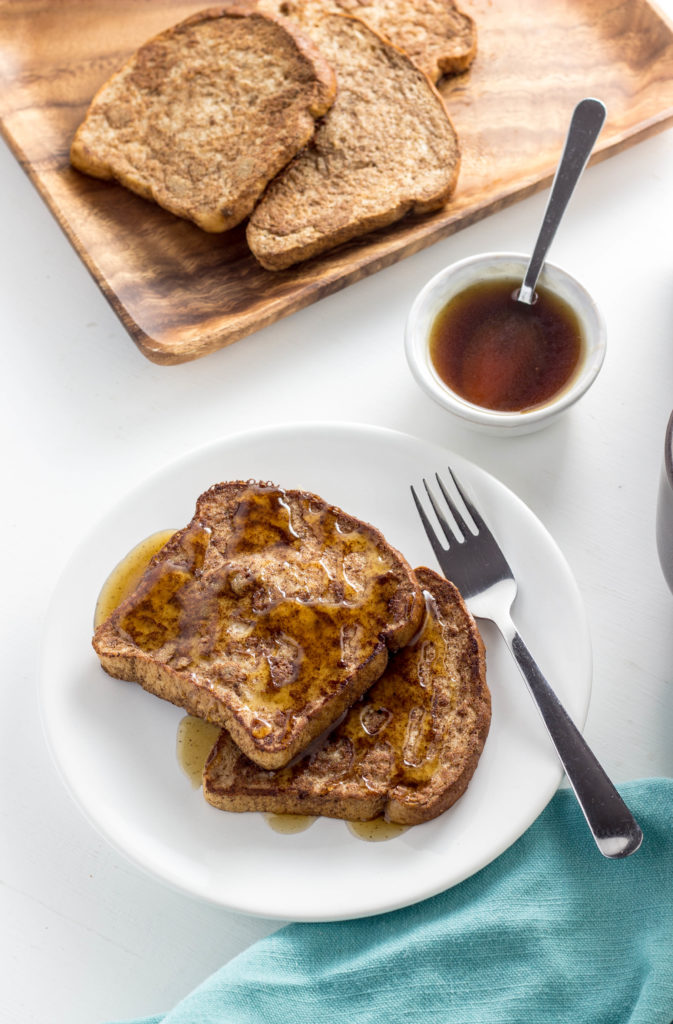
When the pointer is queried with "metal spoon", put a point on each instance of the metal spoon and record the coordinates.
(585, 124)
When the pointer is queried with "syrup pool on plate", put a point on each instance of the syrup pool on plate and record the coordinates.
(378, 830)
(289, 824)
(195, 740)
(125, 577)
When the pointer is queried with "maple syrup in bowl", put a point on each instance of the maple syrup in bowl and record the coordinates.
(500, 365)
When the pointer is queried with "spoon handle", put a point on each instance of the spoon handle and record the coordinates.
(586, 123)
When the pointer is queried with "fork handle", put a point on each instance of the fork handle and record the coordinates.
(614, 828)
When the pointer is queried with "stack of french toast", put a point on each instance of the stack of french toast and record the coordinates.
(345, 683)
(318, 120)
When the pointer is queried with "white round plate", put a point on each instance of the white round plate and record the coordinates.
(115, 744)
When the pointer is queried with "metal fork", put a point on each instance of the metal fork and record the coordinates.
(477, 566)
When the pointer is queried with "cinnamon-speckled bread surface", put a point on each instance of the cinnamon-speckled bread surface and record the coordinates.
(206, 113)
(439, 38)
(384, 149)
(269, 614)
(407, 750)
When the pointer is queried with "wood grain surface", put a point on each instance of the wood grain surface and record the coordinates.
(182, 293)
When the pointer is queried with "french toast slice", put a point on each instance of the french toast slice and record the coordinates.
(407, 750)
(439, 37)
(203, 116)
(269, 614)
(385, 148)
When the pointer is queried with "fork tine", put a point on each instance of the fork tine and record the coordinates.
(429, 529)
(448, 530)
(476, 517)
(455, 511)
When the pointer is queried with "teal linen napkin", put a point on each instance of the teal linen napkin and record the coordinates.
(549, 933)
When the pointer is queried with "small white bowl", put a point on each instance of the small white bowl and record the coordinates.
(496, 266)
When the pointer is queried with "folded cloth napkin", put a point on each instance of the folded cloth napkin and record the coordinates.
(550, 932)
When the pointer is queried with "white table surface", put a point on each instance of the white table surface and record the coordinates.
(85, 936)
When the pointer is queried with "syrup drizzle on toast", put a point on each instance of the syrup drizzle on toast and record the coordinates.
(293, 625)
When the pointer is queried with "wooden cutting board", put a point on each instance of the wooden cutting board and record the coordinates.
(182, 293)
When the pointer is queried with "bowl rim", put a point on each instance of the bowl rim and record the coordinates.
(579, 383)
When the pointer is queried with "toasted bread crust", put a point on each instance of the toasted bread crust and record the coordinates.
(206, 113)
(385, 148)
(269, 614)
(439, 38)
(407, 751)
